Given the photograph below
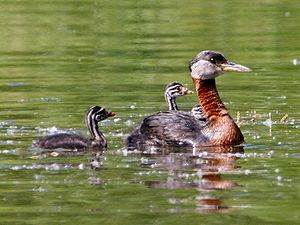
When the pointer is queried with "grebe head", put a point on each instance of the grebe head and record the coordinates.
(210, 64)
(175, 89)
(97, 113)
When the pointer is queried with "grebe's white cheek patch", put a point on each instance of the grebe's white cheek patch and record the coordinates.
(199, 68)
(205, 70)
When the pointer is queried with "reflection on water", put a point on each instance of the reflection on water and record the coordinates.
(207, 165)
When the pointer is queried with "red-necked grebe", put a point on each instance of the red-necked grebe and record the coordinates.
(74, 141)
(174, 90)
(178, 127)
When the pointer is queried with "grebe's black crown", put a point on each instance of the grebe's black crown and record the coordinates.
(97, 113)
(210, 56)
(96, 108)
(173, 84)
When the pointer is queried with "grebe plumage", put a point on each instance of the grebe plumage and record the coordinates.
(178, 127)
(74, 141)
(197, 112)
(174, 90)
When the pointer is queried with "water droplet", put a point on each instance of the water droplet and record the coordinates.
(129, 123)
(295, 62)
(268, 123)
(248, 172)
(81, 166)
(117, 120)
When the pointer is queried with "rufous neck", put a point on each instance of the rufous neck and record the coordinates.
(209, 98)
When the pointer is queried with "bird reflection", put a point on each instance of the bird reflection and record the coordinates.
(207, 165)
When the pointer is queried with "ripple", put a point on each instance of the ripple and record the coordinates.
(3, 123)
(7, 142)
(16, 84)
(50, 130)
(50, 99)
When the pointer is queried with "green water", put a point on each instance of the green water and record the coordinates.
(58, 58)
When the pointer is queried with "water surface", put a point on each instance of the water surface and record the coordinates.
(59, 58)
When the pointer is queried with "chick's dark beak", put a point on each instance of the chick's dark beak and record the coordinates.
(111, 114)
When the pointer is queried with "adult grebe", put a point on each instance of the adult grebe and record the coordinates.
(174, 90)
(74, 141)
(178, 127)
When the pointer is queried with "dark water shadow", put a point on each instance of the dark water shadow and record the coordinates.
(206, 163)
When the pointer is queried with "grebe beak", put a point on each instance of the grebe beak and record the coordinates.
(111, 114)
(233, 67)
(186, 91)
(189, 92)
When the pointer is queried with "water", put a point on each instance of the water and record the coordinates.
(60, 58)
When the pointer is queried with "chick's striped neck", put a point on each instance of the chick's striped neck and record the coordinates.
(92, 125)
(171, 102)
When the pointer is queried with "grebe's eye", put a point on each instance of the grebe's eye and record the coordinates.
(99, 117)
(213, 60)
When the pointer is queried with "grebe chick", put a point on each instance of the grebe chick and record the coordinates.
(197, 112)
(173, 127)
(74, 141)
(174, 90)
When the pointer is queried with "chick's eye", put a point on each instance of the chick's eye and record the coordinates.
(98, 117)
